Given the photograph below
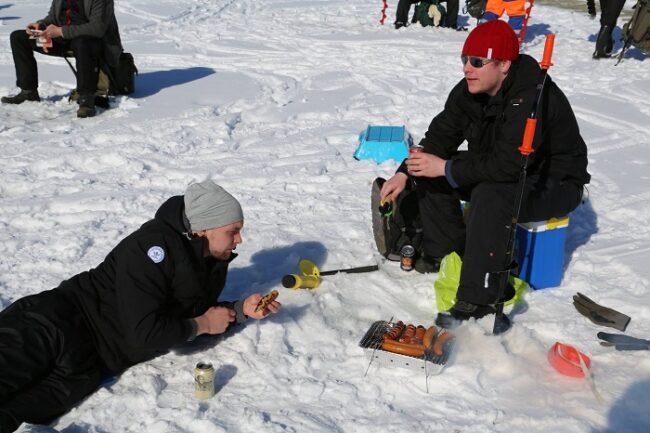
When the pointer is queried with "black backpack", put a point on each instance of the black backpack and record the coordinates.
(475, 8)
(401, 227)
(122, 77)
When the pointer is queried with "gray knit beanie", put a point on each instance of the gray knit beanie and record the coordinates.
(208, 206)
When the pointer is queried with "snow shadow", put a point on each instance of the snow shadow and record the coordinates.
(150, 83)
(268, 266)
(535, 30)
(630, 412)
(583, 223)
(5, 6)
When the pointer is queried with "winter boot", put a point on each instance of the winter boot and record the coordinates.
(24, 95)
(602, 41)
(86, 106)
(427, 265)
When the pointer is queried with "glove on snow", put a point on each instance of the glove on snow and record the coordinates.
(598, 314)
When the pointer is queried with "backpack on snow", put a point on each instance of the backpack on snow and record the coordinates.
(475, 8)
(430, 13)
(637, 31)
(122, 77)
(401, 227)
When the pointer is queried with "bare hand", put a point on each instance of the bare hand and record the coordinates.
(52, 32)
(215, 320)
(393, 187)
(250, 304)
(31, 27)
(425, 164)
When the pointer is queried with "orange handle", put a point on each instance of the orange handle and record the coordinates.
(548, 51)
(526, 147)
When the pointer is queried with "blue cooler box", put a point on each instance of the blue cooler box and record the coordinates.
(381, 143)
(541, 252)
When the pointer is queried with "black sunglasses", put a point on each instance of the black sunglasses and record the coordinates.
(477, 62)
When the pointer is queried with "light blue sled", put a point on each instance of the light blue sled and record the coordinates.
(381, 143)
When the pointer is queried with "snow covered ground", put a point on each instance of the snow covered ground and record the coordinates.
(267, 97)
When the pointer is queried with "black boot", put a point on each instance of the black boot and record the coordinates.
(24, 95)
(427, 265)
(86, 106)
(602, 41)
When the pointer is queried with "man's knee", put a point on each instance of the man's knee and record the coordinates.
(8, 423)
(19, 38)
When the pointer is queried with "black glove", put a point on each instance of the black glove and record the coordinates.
(600, 315)
(623, 342)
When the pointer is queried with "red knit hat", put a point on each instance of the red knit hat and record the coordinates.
(492, 40)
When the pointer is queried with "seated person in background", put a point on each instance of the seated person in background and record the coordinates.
(88, 28)
(516, 10)
(451, 17)
(488, 108)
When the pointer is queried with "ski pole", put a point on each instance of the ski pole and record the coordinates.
(502, 323)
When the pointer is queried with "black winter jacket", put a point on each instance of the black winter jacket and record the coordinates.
(139, 301)
(494, 128)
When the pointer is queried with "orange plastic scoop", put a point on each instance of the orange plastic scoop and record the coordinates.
(566, 360)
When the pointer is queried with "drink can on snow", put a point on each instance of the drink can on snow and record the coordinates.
(406, 262)
(203, 381)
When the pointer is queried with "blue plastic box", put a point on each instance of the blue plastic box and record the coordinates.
(381, 143)
(541, 252)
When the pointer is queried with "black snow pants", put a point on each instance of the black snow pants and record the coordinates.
(87, 52)
(609, 12)
(48, 363)
(483, 240)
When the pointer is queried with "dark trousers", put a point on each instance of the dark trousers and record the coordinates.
(609, 12)
(482, 242)
(403, 7)
(87, 52)
(48, 363)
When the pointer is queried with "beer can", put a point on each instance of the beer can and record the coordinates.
(416, 148)
(406, 262)
(203, 381)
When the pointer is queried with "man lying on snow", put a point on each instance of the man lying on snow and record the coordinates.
(488, 108)
(86, 27)
(156, 289)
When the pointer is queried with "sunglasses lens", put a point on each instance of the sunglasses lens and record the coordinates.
(477, 62)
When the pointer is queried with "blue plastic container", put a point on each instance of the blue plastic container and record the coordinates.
(381, 143)
(541, 252)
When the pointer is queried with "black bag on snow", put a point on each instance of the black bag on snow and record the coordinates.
(475, 8)
(122, 77)
(401, 227)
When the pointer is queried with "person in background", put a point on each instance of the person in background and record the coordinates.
(88, 28)
(609, 13)
(515, 9)
(157, 288)
(488, 109)
(451, 17)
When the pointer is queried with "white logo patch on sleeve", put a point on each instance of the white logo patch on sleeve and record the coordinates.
(156, 254)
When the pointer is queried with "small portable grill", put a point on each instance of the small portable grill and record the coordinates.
(430, 363)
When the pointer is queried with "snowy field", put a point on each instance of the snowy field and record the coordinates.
(268, 97)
